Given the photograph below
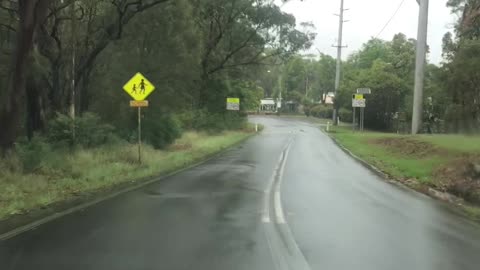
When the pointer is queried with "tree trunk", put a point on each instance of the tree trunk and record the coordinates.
(35, 117)
(31, 12)
(84, 94)
(56, 95)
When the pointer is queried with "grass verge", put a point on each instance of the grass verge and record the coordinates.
(63, 176)
(443, 162)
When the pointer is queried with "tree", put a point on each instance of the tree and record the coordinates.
(323, 77)
(195, 52)
(43, 26)
(240, 33)
(462, 63)
(388, 91)
(31, 14)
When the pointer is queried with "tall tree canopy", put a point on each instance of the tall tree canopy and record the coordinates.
(194, 51)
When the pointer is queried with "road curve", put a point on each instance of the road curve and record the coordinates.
(286, 199)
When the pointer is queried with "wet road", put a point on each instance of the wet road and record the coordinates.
(286, 199)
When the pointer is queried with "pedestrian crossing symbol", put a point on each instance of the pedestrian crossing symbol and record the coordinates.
(139, 88)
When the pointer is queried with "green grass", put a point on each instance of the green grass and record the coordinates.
(418, 169)
(400, 165)
(63, 176)
(396, 165)
(461, 143)
(472, 212)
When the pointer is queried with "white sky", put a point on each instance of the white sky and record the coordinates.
(367, 18)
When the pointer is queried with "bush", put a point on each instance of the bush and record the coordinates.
(217, 122)
(187, 119)
(345, 115)
(32, 153)
(308, 111)
(89, 131)
(160, 130)
(322, 111)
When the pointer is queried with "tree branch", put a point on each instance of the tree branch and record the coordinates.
(125, 15)
(254, 61)
(9, 27)
(11, 10)
(235, 51)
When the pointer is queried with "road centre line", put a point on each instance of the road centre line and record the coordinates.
(276, 179)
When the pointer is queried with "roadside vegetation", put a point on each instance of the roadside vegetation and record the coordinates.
(41, 175)
(449, 163)
(66, 126)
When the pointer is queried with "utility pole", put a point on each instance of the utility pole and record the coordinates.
(307, 81)
(339, 61)
(420, 66)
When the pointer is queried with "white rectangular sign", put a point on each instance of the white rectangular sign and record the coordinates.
(233, 106)
(364, 91)
(359, 103)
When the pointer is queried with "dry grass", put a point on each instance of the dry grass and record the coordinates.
(62, 176)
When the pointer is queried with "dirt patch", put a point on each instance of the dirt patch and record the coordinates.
(461, 177)
(408, 146)
(180, 147)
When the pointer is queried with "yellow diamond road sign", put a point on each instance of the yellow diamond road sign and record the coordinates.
(139, 88)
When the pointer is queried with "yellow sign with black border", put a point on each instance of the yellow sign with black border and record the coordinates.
(139, 87)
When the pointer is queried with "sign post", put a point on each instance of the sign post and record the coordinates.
(139, 88)
(358, 101)
(139, 135)
(362, 118)
(354, 121)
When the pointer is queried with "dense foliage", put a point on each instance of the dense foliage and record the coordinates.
(451, 95)
(72, 57)
(66, 59)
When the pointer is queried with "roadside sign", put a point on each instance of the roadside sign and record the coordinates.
(139, 87)
(357, 96)
(359, 103)
(233, 104)
(364, 91)
(139, 104)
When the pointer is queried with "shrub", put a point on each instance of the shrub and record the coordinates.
(345, 115)
(187, 119)
(89, 131)
(160, 130)
(322, 111)
(32, 153)
(217, 122)
(308, 110)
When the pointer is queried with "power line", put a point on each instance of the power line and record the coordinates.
(391, 18)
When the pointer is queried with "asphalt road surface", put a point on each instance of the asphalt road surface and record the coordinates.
(285, 199)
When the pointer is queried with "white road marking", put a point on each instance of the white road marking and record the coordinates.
(281, 257)
(280, 217)
(266, 208)
(279, 213)
(277, 175)
(267, 199)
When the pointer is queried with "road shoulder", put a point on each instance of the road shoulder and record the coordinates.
(16, 224)
(396, 177)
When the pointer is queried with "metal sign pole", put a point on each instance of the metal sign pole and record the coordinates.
(361, 119)
(354, 118)
(139, 135)
(362, 115)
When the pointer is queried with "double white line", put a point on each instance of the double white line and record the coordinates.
(274, 187)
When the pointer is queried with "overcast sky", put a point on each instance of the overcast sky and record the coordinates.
(367, 18)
